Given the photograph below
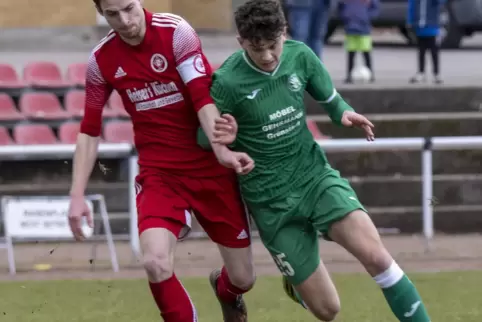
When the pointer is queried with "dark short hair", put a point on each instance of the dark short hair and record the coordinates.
(258, 20)
(97, 3)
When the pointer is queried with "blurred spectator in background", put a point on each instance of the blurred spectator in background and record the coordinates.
(307, 20)
(356, 16)
(423, 19)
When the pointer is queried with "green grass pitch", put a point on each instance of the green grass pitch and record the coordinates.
(449, 297)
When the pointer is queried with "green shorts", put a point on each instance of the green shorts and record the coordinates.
(358, 43)
(290, 228)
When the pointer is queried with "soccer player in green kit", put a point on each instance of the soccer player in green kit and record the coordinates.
(293, 193)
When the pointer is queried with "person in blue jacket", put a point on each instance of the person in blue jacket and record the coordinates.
(356, 16)
(307, 21)
(423, 18)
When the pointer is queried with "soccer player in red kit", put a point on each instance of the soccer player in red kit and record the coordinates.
(155, 62)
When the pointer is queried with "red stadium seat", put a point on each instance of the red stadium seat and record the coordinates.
(315, 131)
(74, 101)
(5, 138)
(68, 132)
(44, 74)
(116, 104)
(76, 73)
(8, 112)
(42, 105)
(9, 78)
(34, 134)
(119, 132)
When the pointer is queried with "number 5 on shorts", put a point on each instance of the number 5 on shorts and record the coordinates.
(285, 267)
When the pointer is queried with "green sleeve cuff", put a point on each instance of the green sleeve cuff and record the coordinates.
(336, 108)
(202, 139)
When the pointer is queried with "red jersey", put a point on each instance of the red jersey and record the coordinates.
(163, 82)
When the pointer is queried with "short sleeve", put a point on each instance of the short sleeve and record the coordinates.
(97, 92)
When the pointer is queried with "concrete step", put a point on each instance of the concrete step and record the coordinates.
(388, 163)
(406, 191)
(407, 99)
(57, 171)
(410, 125)
(116, 194)
(447, 219)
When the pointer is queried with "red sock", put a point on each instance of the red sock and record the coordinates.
(173, 301)
(226, 290)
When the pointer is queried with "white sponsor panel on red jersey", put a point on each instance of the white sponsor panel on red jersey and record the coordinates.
(160, 102)
(192, 68)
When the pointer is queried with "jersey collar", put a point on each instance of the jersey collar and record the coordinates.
(253, 66)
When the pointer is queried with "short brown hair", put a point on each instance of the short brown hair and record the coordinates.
(97, 3)
(258, 20)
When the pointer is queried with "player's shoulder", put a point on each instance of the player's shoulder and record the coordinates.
(230, 69)
(296, 47)
(168, 22)
(299, 55)
(105, 45)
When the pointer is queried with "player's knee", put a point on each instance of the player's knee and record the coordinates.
(327, 310)
(159, 267)
(243, 279)
(377, 259)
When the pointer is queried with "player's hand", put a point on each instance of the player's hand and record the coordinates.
(225, 129)
(239, 161)
(353, 119)
(77, 210)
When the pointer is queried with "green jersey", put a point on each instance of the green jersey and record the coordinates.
(270, 112)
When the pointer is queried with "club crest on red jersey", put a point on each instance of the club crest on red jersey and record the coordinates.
(199, 64)
(158, 63)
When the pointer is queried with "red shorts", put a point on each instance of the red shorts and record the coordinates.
(167, 201)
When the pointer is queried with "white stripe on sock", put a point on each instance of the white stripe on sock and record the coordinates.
(390, 277)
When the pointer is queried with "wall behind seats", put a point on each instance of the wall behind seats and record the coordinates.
(203, 14)
(46, 13)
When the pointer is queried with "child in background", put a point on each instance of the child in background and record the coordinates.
(356, 16)
(423, 19)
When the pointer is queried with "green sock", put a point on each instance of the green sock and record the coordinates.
(402, 296)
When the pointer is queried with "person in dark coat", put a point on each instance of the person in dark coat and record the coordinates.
(356, 16)
(423, 19)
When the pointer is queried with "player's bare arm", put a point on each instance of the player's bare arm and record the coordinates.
(239, 161)
(85, 155)
(321, 87)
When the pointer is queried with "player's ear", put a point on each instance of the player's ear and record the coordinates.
(285, 32)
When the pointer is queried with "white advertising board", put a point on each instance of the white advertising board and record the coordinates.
(42, 218)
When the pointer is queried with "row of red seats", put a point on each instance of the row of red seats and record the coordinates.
(115, 131)
(42, 74)
(47, 106)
